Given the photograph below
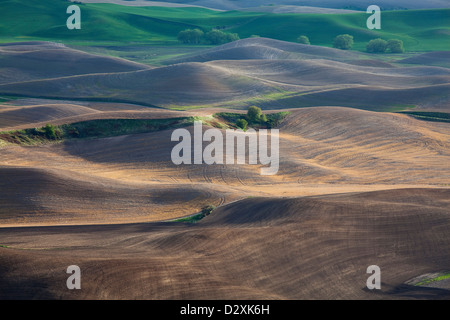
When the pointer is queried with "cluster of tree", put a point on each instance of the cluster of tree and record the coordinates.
(345, 42)
(254, 117)
(380, 46)
(197, 36)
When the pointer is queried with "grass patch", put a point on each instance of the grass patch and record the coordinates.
(92, 129)
(5, 99)
(32, 136)
(439, 278)
(206, 211)
(400, 108)
(429, 116)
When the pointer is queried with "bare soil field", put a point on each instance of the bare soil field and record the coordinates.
(354, 188)
(338, 149)
(298, 248)
(25, 61)
(264, 72)
(429, 58)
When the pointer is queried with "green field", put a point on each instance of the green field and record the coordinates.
(106, 24)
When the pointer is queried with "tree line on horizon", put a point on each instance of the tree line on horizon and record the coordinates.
(197, 36)
(342, 41)
(345, 42)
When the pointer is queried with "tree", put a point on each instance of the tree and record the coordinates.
(303, 40)
(215, 37)
(219, 37)
(196, 36)
(242, 123)
(395, 46)
(377, 46)
(254, 114)
(191, 36)
(343, 41)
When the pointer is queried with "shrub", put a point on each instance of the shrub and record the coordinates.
(207, 210)
(343, 41)
(303, 40)
(51, 132)
(376, 46)
(263, 118)
(242, 123)
(395, 46)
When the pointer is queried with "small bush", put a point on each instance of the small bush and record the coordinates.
(207, 210)
(242, 123)
(51, 132)
(303, 40)
(263, 118)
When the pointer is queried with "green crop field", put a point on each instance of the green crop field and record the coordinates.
(24, 20)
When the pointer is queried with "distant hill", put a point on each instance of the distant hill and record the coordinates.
(340, 4)
(420, 30)
(24, 61)
(264, 48)
(317, 77)
(439, 58)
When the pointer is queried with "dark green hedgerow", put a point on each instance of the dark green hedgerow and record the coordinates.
(254, 118)
(429, 116)
(92, 129)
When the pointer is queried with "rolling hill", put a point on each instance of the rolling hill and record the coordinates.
(265, 48)
(322, 150)
(43, 60)
(355, 188)
(358, 184)
(355, 4)
(320, 248)
(436, 58)
(271, 82)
